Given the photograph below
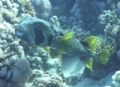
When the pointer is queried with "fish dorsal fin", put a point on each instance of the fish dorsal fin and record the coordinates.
(65, 40)
(91, 41)
(68, 36)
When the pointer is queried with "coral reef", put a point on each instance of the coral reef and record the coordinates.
(106, 19)
(116, 79)
(22, 71)
(42, 8)
(76, 11)
(12, 12)
(112, 30)
(54, 20)
(107, 16)
(86, 11)
(27, 7)
(103, 43)
(73, 79)
(52, 80)
(24, 60)
(61, 7)
(13, 62)
(41, 59)
(15, 75)
(80, 33)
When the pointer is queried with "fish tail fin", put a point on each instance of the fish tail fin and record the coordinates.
(88, 63)
(103, 57)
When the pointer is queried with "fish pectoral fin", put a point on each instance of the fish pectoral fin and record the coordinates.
(46, 48)
(88, 63)
(103, 57)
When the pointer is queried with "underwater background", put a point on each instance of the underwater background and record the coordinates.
(59, 43)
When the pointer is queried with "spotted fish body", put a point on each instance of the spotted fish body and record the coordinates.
(40, 32)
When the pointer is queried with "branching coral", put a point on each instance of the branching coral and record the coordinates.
(105, 43)
(54, 20)
(107, 17)
(42, 8)
(12, 12)
(26, 4)
(10, 56)
(112, 30)
(80, 33)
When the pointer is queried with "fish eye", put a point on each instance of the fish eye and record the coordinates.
(61, 34)
(84, 43)
(38, 26)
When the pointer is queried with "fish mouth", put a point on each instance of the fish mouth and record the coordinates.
(18, 34)
(18, 31)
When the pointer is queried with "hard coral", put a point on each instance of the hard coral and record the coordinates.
(49, 81)
(112, 30)
(42, 8)
(9, 10)
(116, 79)
(107, 16)
(21, 72)
(105, 47)
(105, 43)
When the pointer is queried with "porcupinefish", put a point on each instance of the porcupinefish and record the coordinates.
(40, 32)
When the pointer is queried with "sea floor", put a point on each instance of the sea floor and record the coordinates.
(72, 66)
(87, 82)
